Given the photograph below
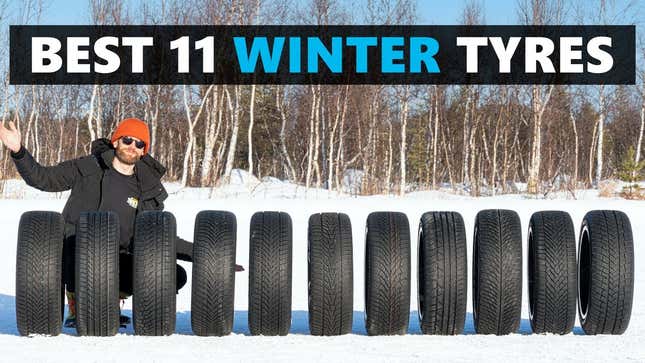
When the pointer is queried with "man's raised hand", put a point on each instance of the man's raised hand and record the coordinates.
(10, 136)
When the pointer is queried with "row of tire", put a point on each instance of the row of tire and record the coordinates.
(600, 280)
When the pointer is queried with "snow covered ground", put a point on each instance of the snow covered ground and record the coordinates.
(244, 197)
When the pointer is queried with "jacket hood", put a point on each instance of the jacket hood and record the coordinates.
(101, 145)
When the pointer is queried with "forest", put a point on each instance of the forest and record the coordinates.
(478, 139)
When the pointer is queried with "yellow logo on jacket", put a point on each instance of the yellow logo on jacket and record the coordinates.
(133, 202)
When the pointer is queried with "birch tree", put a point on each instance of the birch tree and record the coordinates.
(212, 130)
(234, 109)
(341, 110)
(405, 102)
(250, 133)
(252, 101)
(641, 92)
(191, 121)
(538, 12)
(435, 134)
(472, 14)
(600, 128)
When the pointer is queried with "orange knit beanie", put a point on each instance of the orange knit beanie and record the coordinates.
(135, 128)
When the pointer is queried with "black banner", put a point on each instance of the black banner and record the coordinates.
(136, 54)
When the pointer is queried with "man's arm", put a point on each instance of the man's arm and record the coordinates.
(55, 178)
(184, 249)
(50, 179)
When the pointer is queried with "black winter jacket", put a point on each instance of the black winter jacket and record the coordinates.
(84, 176)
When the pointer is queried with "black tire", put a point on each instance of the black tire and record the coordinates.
(605, 272)
(330, 274)
(442, 273)
(97, 274)
(39, 263)
(212, 299)
(497, 272)
(155, 274)
(552, 272)
(387, 274)
(270, 273)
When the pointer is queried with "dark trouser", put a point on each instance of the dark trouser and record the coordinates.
(125, 269)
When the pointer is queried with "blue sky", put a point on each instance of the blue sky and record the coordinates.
(430, 11)
(502, 12)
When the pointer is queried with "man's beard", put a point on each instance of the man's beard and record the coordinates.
(126, 158)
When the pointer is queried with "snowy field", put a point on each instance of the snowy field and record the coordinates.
(244, 199)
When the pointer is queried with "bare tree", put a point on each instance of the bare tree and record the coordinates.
(438, 95)
(538, 12)
(472, 14)
(279, 102)
(252, 102)
(405, 102)
(312, 127)
(600, 128)
(191, 121)
(574, 173)
(234, 110)
(341, 110)
(212, 130)
(641, 130)
(250, 133)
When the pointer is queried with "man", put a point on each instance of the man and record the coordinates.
(119, 176)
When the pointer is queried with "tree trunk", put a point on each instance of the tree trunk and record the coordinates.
(404, 145)
(429, 137)
(340, 114)
(78, 124)
(90, 115)
(191, 134)
(592, 149)
(435, 138)
(369, 155)
(505, 162)
(211, 133)
(250, 134)
(317, 139)
(493, 169)
(576, 149)
(234, 108)
(640, 133)
(220, 164)
(118, 115)
(310, 151)
(466, 137)
(154, 121)
(99, 114)
(322, 165)
(37, 145)
(601, 127)
(291, 171)
(61, 132)
(534, 168)
(538, 105)
(5, 111)
(189, 144)
(447, 154)
(340, 154)
(171, 160)
(473, 157)
(27, 135)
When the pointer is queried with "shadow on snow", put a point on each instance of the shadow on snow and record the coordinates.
(299, 322)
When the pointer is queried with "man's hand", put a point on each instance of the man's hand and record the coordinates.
(239, 268)
(10, 137)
